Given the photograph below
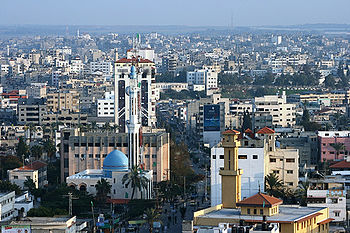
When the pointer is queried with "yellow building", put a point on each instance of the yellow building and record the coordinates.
(257, 208)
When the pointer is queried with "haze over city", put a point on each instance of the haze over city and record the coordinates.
(180, 12)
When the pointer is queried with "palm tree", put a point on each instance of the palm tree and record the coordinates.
(103, 188)
(49, 148)
(32, 129)
(338, 146)
(29, 184)
(302, 192)
(36, 151)
(273, 185)
(136, 177)
(106, 127)
(151, 216)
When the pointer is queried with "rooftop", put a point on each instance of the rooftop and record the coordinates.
(266, 130)
(126, 60)
(260, 199)
(286, 214)
(33, 166)
(341, 164)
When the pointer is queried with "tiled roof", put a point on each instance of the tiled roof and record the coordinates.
(341, 164)
(126, 60)
(260, 200)
(231, 131)
(33, 166)
(248, 131)
(266, 130)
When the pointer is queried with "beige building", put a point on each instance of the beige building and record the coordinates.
(63, 101)
(31, 111)
(283, 114)
(65, 117)
(335, 98)
(37, 171)
(282, 162)
(88, 151)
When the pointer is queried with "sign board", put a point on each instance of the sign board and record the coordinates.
(211, 117)
(15, 229)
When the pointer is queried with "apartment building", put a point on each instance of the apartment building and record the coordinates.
(65, 100)
(65, 117)
(146, 72)
(105, 106)
(82, 151)
(31, 111)
(7, 202)
(334, 145)
(283, 114)
(106, 67)
(37, 171)
(206, 77)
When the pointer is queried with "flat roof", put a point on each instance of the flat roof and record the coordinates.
(286, 214)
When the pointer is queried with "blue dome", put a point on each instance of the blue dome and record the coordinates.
(133, 72)
(116, 161)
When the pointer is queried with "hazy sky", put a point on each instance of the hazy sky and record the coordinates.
(175, 12)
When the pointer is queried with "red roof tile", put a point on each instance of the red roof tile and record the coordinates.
(33, 166)
(231, 131)
(260, 200)
(126, 60)
(248, 131)
(341, 164)
(266, 130)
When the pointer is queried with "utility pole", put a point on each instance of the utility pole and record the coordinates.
(70, 203)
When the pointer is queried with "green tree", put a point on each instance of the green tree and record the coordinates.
(50, 149)
(8, 163)
(273, 185)
(29, 185)
(302, 193)
(36, 151)
(137, 179)
(329, 81)
(6, 186)
(247, 121)
(22, 148)
(151, 216)
(103, 189)
(338, 147)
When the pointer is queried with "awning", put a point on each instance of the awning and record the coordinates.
(328, 220)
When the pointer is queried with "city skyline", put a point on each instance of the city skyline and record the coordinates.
(193, 13)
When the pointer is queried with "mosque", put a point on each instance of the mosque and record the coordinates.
(117, 164)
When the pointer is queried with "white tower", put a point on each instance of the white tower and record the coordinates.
(134, 121)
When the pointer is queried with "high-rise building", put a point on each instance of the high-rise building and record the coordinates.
(146, 75)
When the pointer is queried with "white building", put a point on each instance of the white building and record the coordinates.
(105, 107)
(105, 67)
(115, 166)
(23, 203)
(145, 53)
(251, 160)
(76, 66)
(206, 77)
(7, 202)
(283, 114)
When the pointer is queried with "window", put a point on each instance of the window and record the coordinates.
(154, 156)
(272, 160)
(248, 211)
(15, 177)
(276, 172)
(290, 160)
(76, 155)
(147, 156)
(336, 214)
(242, 156)
(255, 156)
(91, 155)
(290, 183)
(289, 171)
(255, 211)
(334, 200)
(221, 156)
(261, 211)
(214, 156)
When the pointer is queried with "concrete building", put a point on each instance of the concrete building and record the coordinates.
(259, 207)
(66, 100)
(37, 171)
(65, 117)
(206, 77)
(7, 202)
(88, 151)
(283, 114)
(106, 67)
(31, 111)
(105, 107)
(251, 160)
(330, 141)
(329, 192)
(36, 90)
(146, 75)
(115, 166)
(46, 224)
